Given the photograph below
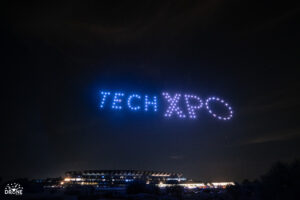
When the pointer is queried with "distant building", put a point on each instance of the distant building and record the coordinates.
(119, 177)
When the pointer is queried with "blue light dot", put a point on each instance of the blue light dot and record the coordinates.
(129, 102)
(153, 103)
(117, 101)
(104, 95)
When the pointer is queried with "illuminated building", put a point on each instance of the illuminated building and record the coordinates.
(111, 178)
(119, 177)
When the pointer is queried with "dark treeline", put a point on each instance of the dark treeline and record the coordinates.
(280, 182)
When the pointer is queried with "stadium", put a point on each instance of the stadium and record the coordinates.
(121, 178)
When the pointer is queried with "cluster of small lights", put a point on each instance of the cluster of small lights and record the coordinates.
(104, 95)
(154, 103)
(117, 100)
(173, 107)
(191, 109)
(129, 101)
(223, 102)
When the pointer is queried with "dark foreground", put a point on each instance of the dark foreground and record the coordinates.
(281, 182)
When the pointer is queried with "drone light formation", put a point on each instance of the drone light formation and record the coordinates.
(191, 108)
(221, 101)
(175, 109)
(117, 100)
(104, 95)
(129, 103)
(148, 102)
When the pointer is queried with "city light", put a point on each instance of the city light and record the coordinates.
(125, 177)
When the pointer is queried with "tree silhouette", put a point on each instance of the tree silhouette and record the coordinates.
(281, 182)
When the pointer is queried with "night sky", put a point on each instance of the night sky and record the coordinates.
(56, 58)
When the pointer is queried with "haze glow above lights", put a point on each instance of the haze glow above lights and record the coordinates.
(175, 106)
(224, 103)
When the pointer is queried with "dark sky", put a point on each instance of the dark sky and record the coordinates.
(56, 57)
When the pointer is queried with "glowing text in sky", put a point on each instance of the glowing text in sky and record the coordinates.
(175, 109)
